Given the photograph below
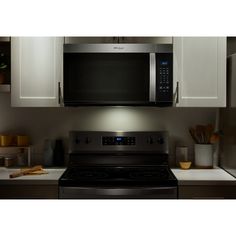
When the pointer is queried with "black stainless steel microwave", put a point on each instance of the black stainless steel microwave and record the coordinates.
(118, 74)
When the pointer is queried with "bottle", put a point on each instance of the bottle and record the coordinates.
(58, 153)
(48, 152)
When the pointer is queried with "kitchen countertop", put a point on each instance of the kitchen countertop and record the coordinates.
(47, 179)
(215, 176)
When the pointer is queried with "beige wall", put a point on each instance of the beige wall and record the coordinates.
(42, 123)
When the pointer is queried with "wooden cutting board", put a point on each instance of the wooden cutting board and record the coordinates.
(36, 170)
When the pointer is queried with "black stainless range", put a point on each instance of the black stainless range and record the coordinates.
(118, 165)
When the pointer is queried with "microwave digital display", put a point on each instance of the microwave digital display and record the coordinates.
(164, 63)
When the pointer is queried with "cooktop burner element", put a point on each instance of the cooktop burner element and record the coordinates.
(160, 174)
(88, 174)
(118, 165)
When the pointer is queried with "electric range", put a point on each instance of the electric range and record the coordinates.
(119, 165)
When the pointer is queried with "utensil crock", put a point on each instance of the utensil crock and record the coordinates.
(204, 155)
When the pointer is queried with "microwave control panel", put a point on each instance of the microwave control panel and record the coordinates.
(164, 82)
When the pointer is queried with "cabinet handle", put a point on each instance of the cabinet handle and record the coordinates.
(59, 92)
(176, 94)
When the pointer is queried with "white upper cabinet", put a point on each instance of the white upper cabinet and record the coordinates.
(36, 71)
(200, 71)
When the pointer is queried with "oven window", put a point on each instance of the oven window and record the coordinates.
(106, 77)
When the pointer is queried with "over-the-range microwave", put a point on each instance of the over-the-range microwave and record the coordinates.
(118, 74)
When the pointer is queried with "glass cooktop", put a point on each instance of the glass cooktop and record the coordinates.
(110, 175)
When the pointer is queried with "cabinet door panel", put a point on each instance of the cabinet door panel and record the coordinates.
(36, 70)
(207, 192)
(26, 191)
(200, 70)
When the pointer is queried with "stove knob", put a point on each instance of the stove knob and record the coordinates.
(150, 140)
(87, 140)
(160, 140)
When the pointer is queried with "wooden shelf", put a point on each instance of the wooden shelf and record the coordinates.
(5, 88)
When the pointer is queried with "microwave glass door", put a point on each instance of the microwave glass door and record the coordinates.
(106, 78)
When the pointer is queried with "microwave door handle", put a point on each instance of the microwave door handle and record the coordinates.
(152, 84)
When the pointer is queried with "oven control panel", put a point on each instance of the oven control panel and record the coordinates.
(118, 140)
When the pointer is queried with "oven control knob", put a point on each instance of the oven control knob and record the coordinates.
(88, 140)
(150, 140)
(160, 140)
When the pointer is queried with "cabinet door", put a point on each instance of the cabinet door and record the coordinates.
(36, 66)
(28, 191)
(207, 192)
(200, 71)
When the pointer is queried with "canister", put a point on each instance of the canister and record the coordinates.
(10, 161)
(22, 140)
(204, 155)
(6, 140)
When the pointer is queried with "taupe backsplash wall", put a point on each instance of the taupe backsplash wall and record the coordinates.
(42, 123)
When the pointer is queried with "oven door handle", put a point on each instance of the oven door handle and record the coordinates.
(125, 192)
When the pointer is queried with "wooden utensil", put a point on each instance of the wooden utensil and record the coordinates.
(193, 134)
(200, 131)
(209, 131)
(26, 171)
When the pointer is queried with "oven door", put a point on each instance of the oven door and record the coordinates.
(168, 192)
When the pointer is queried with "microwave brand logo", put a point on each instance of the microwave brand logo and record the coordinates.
(118, 47)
